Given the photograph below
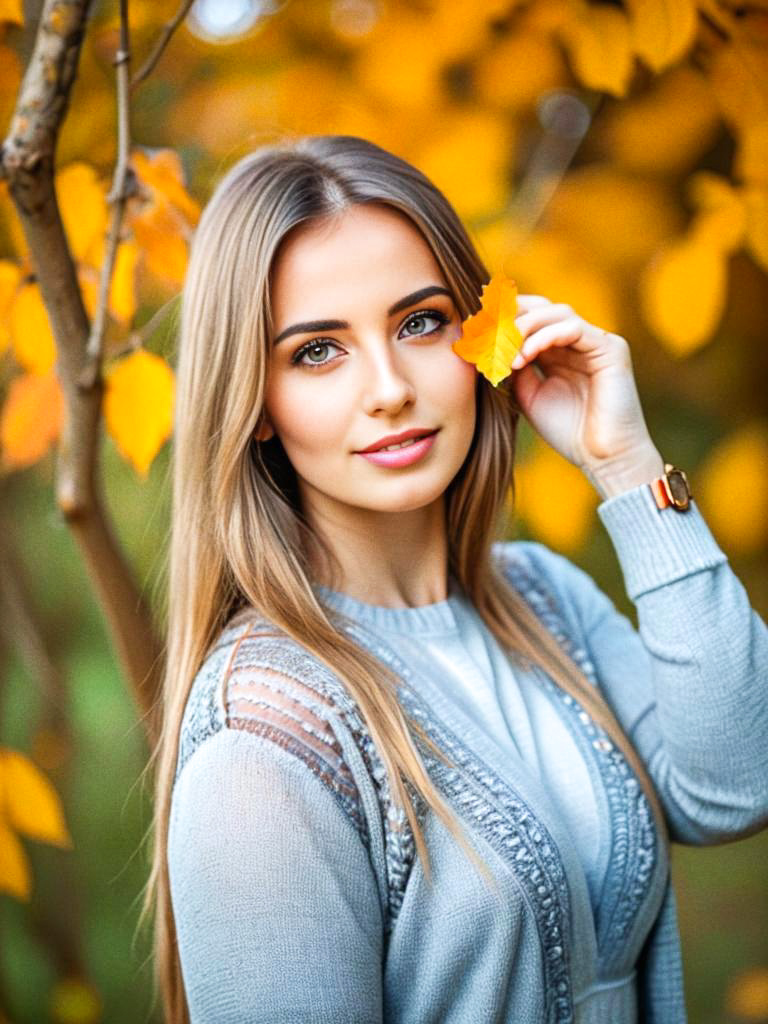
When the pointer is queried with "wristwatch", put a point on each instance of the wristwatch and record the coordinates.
(671, 489)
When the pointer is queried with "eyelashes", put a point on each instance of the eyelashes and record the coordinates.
(316, 343)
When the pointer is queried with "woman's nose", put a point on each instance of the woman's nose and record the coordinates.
(388, 386)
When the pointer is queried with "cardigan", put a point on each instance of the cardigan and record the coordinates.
(296, 890)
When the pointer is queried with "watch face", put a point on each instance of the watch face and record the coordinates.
(678, 488)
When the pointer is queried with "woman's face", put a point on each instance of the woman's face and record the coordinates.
(380, 364)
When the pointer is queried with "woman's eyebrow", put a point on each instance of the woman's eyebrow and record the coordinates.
(334, 325)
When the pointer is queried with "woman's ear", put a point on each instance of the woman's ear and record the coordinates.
(264, 429)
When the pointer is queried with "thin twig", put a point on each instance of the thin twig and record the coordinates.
(139, 338)
(168, 29)
(123, 186)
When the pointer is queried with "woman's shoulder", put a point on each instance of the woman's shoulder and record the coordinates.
(254, 672)
(259, 681)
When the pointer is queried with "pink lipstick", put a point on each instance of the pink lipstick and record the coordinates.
(406, 456)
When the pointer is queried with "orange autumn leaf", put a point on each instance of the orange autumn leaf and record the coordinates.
(662, 30)
(163, 175)
(683, 291)
(138, 406)
(30, 420)
(541, 480)
(82, 201)
(10, 10)
(122, 289)
(33, 343)
(598, 41)
(29, 806)
(160, 232)
(15, 874)
(10, 275)
(490, 339)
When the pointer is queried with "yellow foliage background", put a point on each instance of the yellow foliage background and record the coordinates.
(612, 156)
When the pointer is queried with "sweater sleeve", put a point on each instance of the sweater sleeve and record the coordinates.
(690, 685)
(273, 894)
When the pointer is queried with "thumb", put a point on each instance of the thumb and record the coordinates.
(525, 386)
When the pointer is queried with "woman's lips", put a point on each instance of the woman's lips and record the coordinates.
(402, 456)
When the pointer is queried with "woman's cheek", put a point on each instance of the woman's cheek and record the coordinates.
(309, 418)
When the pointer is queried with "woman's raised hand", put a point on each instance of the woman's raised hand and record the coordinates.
(584, 403)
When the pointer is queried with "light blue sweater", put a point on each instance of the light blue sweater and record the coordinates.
(296, 891)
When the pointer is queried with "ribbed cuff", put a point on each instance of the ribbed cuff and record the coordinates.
(656, 546)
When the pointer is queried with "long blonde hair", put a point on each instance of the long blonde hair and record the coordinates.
(238, 535)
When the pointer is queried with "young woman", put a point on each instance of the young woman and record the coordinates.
(410, 771)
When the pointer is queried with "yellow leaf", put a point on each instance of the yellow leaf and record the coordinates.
(722, 215)
(739, 77)
(75, 1001)
(621, 218)
(756, 200)
(82, 201)
(9, 282)
(662, 30)
(122, 293)
(31, 805)
(518, 69)
(162, 172)
(10, 79)
(382, 70)
(138, 406)
(31, 334)
(15, 876)
(31, 418)
(598, 42)
(461, 29)
(741, 526)
(468, 159)
(683, 292)
(664, 129)
(10, 10)
(747, 995)
(490, 338)
(160, 234)
(554, 498)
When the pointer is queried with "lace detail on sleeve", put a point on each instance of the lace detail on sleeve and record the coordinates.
(286, 711)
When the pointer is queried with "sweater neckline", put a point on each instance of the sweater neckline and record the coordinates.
(438, 617)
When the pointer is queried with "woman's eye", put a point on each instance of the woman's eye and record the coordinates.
(418, 324)
(419, 319)
(312, 350)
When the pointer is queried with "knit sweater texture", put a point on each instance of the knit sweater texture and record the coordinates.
(296, 889)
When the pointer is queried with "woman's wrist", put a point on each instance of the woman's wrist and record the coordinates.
(614, 476)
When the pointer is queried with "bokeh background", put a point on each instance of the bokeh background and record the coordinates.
(610, 155)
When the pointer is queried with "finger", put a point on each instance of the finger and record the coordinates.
(540, 316)
(561, 333)
(525, 385)
(526, 302)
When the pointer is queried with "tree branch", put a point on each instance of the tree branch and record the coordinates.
(28, 159)
(168, 29)
(123, 186)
